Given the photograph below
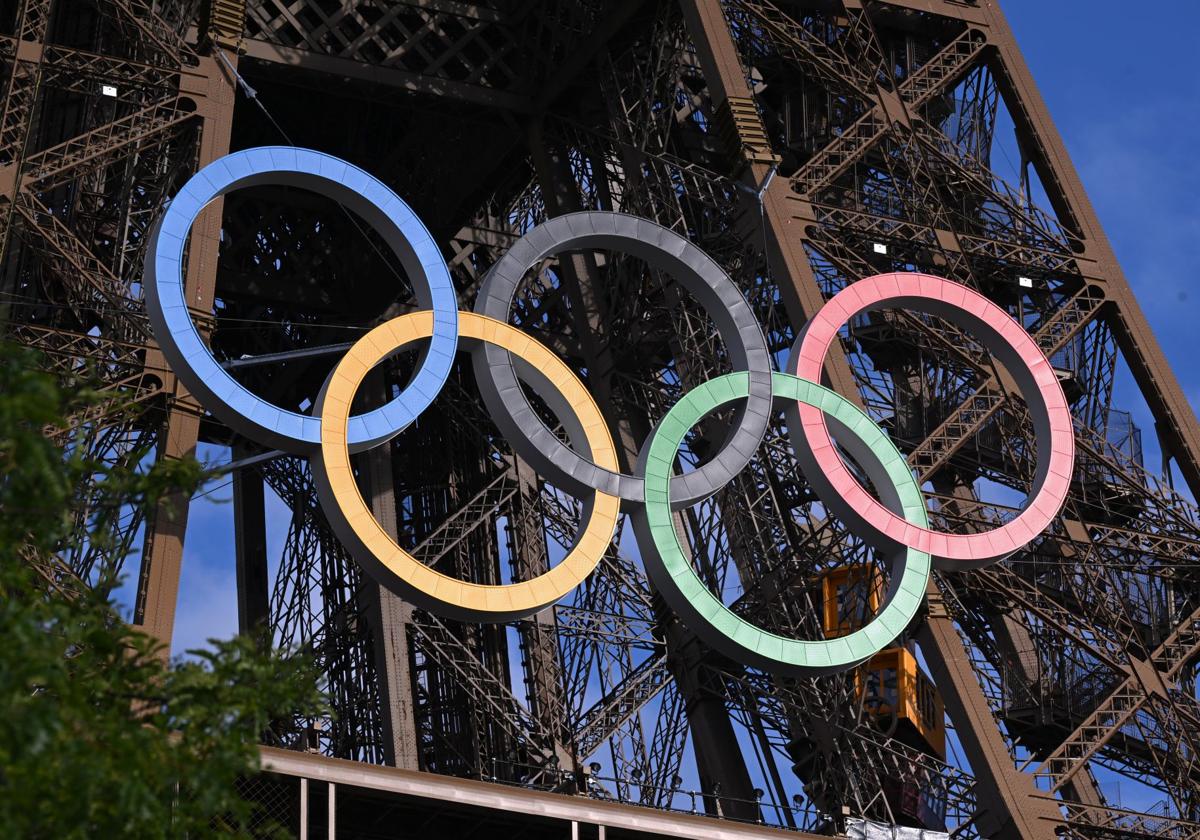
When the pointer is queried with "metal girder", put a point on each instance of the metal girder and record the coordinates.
(471, 516)
(810, 49)
(467, 52)
(71, 351)
(89, 283)
(1004, 584)
(1112, 713)
(24, 79)
(162, 553)
(1106, 821)
(157, 35)
(483, 686)
(541, 657)
(906, 234)
(604, 718)
(58, 164)
(80, 71)
(965, 422)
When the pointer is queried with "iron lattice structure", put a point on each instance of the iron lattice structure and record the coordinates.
(803, 145)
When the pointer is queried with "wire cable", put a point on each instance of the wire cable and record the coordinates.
(252, 94)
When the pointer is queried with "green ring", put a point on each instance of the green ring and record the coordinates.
(672, 572)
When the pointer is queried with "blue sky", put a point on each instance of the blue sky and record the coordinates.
(1128, 114)
(1127, 110)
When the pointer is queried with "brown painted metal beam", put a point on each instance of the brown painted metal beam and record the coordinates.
(393, 77)
(162, 554)
(785, 236)
(389, 616)
(1009, 807)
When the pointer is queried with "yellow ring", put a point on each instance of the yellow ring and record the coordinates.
(374, 548)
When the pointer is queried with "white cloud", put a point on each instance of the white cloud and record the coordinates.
(207, 606)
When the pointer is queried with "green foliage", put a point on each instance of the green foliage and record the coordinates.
(99, 737)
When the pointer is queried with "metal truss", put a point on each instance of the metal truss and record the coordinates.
(803, 145)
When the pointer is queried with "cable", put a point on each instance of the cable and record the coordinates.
(252, 94)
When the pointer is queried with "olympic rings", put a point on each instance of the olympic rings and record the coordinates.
(391, 565)
(671, 569)
(1021, 357)
(697, 273)
(329, 176)
(504, 358)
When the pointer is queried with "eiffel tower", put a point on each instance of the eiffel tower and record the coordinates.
(804, 145)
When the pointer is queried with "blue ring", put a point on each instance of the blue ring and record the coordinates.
(358, 191)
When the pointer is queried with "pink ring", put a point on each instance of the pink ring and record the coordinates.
(1019, 354)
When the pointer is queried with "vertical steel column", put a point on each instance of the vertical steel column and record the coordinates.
(389, 616)
(1008, 806)
(331, 825)
(718, 754)
(530, 557)
(162, 555)
(250, 550)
